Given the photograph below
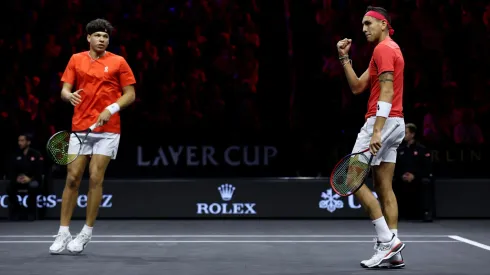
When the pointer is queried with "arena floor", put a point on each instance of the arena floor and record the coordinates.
(242, 247)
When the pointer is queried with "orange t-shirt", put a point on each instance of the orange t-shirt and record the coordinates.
(102, 81)
(387, 57)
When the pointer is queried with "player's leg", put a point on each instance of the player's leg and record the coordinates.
(387, 244)
(383, 171)
(364, 195)
(383, 182)
(383, 177)
(74, 175)
(105, 149)
(97, 168)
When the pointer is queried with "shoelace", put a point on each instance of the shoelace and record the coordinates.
(376, 245)
(82, 237)
(58, 237)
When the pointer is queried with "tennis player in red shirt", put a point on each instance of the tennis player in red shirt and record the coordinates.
(104, 85)
(384, 77)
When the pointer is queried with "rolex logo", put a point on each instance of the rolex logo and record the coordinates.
(226, 191)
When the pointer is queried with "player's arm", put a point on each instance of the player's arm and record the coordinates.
(384, 101)
(127, 81)
(68, 79)
(384, 58)
(68, 96)
(128, 97)
(356, 84)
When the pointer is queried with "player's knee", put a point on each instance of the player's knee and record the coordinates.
(96, 179)
(74, 177)
(73, 181)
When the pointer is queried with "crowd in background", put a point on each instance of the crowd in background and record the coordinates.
(446, 46)
(195, 63)
(197, 67)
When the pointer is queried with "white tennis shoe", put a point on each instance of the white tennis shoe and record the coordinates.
(60, 243)
(78, 244)
(384, 251)
(395, 262)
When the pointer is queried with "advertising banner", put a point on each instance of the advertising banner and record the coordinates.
(238, 198)
(259, 156)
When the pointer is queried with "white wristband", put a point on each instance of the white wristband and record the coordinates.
(384, 109)
(113, 108)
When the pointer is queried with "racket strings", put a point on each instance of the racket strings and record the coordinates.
(350, 174)
(58, 148)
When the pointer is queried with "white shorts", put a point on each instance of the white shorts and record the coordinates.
(388, 150)
(96, 143)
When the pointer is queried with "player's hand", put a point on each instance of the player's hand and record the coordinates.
(343, 46)
(103, 117)
(75, 98)
(375, 143)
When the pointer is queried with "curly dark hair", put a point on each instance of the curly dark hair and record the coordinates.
(99, 25)
(381, 10)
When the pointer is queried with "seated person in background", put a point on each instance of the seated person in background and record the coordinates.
(25, 173)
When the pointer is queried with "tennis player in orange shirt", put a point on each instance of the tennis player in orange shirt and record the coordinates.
(103, 84)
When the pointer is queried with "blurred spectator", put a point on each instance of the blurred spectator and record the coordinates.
(25, 178)
(467, 132)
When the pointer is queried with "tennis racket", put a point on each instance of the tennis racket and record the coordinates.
(57, 146)
(350, 172)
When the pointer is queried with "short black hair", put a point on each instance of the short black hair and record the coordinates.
(28, 136)
(381, 10)
(411, 127)
(99, 25)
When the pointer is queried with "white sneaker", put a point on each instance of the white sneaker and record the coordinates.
(78, 244)
(60, 243)
(384, 251)
(395, 262)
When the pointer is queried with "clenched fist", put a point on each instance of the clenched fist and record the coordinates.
(343, 46)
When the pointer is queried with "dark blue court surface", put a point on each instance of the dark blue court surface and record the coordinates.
(243, 248)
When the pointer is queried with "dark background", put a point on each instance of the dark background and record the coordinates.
(251, 73)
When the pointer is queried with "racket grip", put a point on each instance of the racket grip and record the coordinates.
(389, 131)
(93, 126)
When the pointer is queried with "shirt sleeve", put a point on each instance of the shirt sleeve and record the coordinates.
(384, 58)
(70, 72)
(126, 76)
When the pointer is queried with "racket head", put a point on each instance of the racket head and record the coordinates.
(350, 173)
(58, 148)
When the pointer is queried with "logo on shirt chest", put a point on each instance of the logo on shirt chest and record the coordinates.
(106, 69)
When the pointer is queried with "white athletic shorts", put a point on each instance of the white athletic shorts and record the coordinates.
(96, 143)
(388, 151)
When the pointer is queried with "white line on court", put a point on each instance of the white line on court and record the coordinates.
(468, 241)
(227, 236)
(224, 241)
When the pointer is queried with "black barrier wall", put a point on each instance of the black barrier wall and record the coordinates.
(252, 198)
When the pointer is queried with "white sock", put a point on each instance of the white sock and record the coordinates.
(87, 229)
(384, 234)
(64, 229)
(394, 231)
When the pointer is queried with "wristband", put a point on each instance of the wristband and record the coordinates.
(113, 108)
(384, 109)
